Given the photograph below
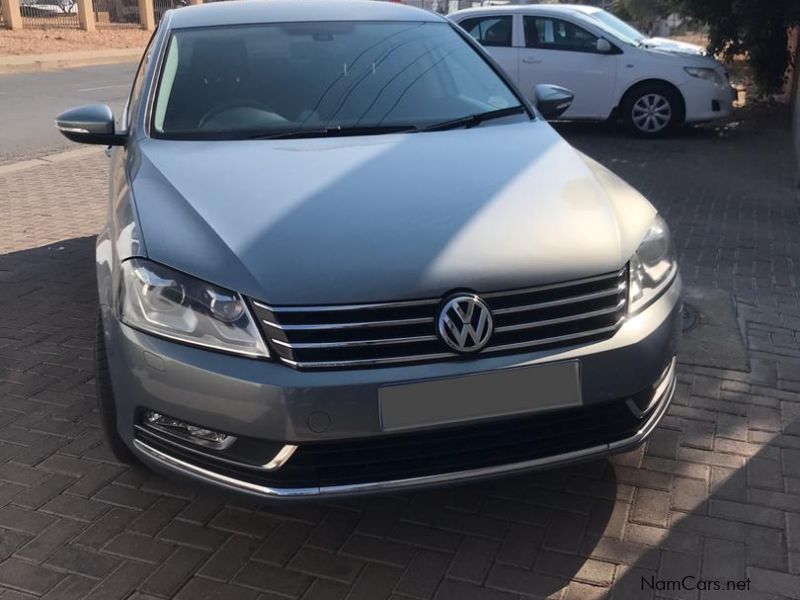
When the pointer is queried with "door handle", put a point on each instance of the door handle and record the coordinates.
(531, 61)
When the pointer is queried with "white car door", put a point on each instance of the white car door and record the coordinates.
(560, 52)
(495, 33)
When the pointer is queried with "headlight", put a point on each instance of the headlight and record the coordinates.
(653, 267)
(705, 73)
(164, 302)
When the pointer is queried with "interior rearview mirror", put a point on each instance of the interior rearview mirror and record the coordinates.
(604, 46)
(552, 100)
(89, 124)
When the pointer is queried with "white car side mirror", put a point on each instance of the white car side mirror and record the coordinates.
(604, 46)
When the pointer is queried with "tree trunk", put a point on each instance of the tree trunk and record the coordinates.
(794, 89)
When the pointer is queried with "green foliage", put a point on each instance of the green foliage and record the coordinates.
(643, 13)
(757, 28)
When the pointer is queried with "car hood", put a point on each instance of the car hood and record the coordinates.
(390, 217)
(674, 46)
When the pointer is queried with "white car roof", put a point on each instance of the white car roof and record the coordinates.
(542, 9)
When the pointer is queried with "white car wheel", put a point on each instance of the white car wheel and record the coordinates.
(651, 113)
(652, 109)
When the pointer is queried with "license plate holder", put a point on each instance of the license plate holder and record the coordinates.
(502, 393)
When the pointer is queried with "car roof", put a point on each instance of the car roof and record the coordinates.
(241, 12)
(550, 9)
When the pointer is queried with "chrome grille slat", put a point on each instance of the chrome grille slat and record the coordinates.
(556, 286)
(356, 343)
(369, 362)
(362, 325)
(553, 340)
(395, 333)
(343, 307)
(578, 317)
(562, 302)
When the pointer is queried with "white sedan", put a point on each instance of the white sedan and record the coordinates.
(652, 85)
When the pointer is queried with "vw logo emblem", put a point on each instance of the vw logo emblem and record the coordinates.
(465, 323)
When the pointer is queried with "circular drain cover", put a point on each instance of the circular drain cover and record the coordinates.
(689, 316)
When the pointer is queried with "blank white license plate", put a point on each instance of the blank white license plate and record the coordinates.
(516, 391)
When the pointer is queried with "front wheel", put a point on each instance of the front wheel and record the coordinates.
(652, 110)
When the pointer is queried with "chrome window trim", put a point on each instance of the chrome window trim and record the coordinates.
(165, 461)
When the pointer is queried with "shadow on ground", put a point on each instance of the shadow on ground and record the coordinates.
(529, 534)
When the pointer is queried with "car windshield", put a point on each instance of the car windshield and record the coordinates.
(323, 78)
(619, 28)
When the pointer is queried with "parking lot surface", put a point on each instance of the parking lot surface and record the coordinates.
(714, 494)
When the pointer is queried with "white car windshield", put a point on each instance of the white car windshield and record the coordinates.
(618, 27)
(323, 78)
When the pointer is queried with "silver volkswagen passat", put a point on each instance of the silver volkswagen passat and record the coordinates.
(345, 254)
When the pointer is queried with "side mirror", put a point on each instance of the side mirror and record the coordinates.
(552, 100)
(90, 124)
(604, 46)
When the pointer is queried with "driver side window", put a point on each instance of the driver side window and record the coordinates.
(554, 34)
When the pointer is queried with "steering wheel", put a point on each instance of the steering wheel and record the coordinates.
(218, 110)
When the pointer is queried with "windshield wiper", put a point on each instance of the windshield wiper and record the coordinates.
(473, 120)
(333, 132)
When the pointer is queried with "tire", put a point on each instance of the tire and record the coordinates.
(106, 403)
(652, 110)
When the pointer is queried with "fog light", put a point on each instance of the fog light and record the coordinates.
(187, 430)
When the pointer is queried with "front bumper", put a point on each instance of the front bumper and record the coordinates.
(163, 461)
(277, 404)
(708, 100)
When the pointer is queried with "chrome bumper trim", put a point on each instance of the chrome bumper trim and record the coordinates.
(276, 462)
(160, 459)
(280, 458)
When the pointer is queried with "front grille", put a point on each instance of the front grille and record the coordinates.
(407, 455)
(365, 335)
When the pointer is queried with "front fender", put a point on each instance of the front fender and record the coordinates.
(121, 237)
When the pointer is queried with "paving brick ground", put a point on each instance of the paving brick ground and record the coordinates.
(715, 494)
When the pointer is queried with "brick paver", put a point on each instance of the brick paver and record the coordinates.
(715, 493)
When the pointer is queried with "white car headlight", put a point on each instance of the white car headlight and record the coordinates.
(705, 73)
(170, 304)
(652, 267)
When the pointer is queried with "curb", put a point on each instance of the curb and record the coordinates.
(49, 160)
(68, 60)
